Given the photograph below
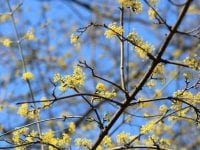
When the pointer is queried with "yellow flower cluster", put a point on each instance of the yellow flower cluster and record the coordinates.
(77, 79)
(100, 87)
(141, 48)
(124, 138)
(83, 142)
(30, 137)
(158, 93)
(30, 35)
(49, 138)
(57, 77)
(107, 142)
(151, 140)
(113, 30)
(23, 110)
(163, 108)
(4, 17)
(16, 135)
(6, 42)
(71, 128)
(186, 96)
(135, 5)
(27, 76)
(26, 113)
(148, 127)
(193, 62)
(102, 91)
(159, 71)
(74, 39)
(151, 13)
(187, 75)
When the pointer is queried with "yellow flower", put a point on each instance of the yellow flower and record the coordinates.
(27, 76)
(17, 134)
(6, 42)
(71, 128)
(158, 94)
(74, 39)
(83, 142)
(124, 138)
(57, 77)
(100, 87)
(31, 136)
(4, 17)
(187, 75)
(136, 5)
(23, 110)
(163, 108)
(151, 13)
(192, 62)
(48, 137)
(113, 30)
(141, 47)
(65, 140)
(62, 87)
(30, 35)
(147, 128)
(107, 141)
(77, 79)
(159, 70)
(33, 114)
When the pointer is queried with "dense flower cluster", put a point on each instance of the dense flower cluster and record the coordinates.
(83, 142)
(71, 128)
(6, 42)
(27, 76)
(193, 62)
(49, 138)
(70, 81)
(135, 5)
(102, 91)
(74, 39)
(4, 17)
(107, 142)
(26, 113)
(186, 96)
(141, 47)
(30, 35)
(113, 30)
(16, 135)
(151, 13)
(124, 138)
(147, 128)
